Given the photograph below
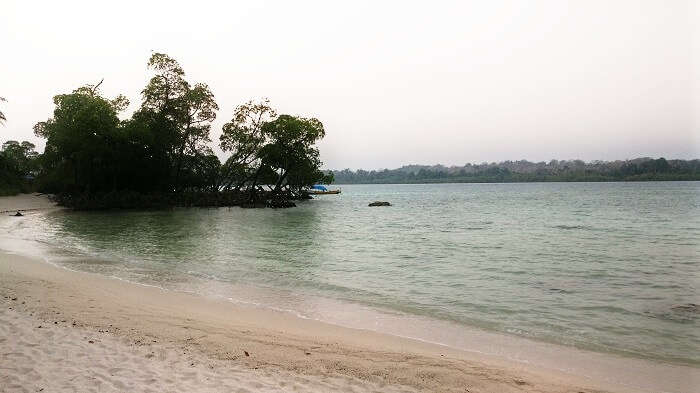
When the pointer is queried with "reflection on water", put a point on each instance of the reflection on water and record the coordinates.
(592, 265)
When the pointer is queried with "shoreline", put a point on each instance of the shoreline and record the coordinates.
(288, 346)
(276, 341)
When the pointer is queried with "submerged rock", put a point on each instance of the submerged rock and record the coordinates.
(379, 203)
(253, 205)
(280, 204)
(688, 307)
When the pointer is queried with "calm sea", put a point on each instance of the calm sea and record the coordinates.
(600, 266)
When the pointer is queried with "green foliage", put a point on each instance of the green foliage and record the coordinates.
(21, 156)
(641, 169)
(92, 156)
(18, 165)
(179, 114)
(278, 151)
(161, 148)
(290, 151)
(242, 136)
(82, 140)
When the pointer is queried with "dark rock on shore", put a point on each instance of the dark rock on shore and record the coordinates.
(379, 203)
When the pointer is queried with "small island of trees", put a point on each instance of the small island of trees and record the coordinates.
(160, 156)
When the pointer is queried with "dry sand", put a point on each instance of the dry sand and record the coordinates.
(62, 330)
(45, 356)
(148, 339)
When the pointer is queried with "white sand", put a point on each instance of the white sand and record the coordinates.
(49, 357)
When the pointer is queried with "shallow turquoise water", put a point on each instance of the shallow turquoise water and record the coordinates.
(593, 265)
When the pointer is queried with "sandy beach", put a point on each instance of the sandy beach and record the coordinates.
(26, 202)
(71, 330)
(62, 330)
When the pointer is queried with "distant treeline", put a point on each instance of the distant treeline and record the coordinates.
(640, 169)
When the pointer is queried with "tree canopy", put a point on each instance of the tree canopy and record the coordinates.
(164, 146)
(18, 166)
(180, 115)
(82, 140)
(278, 151)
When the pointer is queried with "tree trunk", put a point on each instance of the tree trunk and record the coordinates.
(280, 181)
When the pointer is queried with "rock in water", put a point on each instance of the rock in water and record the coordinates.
(379, 203)
(18, 214)
(688, 307)
(280, 204)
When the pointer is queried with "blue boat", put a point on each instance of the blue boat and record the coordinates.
(319, 189)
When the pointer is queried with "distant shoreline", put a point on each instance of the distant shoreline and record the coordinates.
(438, 181)
(640, 169)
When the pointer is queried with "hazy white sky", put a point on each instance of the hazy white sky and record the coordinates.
(393, 82)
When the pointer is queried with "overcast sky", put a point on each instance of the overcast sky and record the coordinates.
(393, 82)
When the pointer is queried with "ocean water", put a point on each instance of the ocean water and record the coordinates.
(598, 266)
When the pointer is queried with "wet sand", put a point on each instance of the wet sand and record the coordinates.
(25, 202)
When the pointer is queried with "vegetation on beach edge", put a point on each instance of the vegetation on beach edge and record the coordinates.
(161, 154)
